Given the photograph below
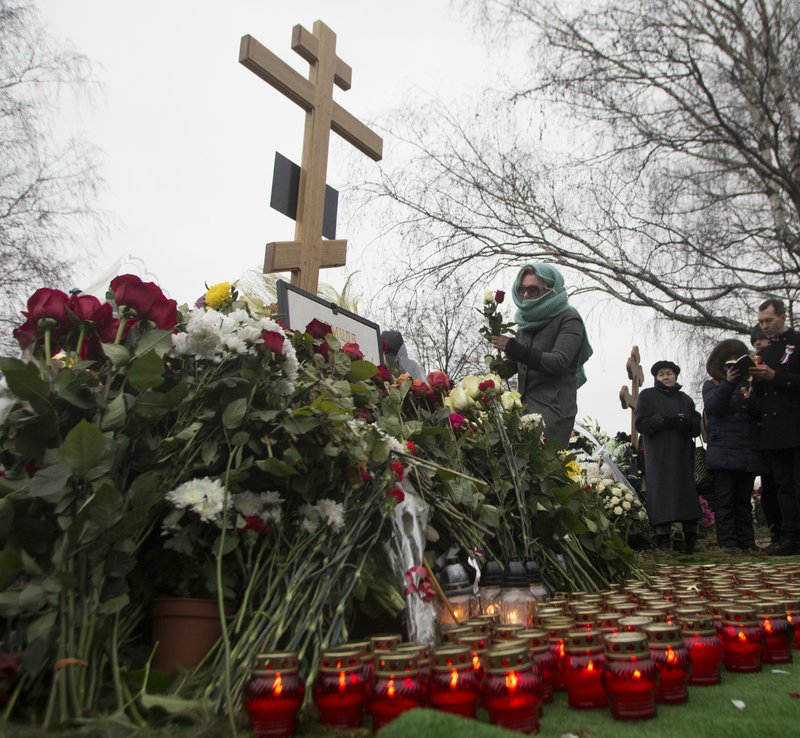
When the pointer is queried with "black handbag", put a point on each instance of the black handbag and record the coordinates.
(702, 476)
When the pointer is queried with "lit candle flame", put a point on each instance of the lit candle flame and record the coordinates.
(277, 686)
(342, 681)
(561, 649)
(476, 662)
(453, 679)
(512, 680)
(590, 666)
(671, 656)
(637, 674)
(768, 625)
(788, 617)
(741, 636)
(390, 688)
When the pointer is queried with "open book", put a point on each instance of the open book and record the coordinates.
(743, 364)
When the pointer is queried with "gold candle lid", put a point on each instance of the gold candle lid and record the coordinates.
(627, 646)
(663, 634)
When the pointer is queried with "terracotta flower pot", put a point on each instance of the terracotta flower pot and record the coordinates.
(185, 630)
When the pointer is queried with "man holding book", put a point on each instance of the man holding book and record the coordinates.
(776, 382)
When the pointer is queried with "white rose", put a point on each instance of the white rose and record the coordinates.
(488, 297)
(615, 500)
(617, 510)
(626, 505)
(510, 400)
(642, 515)
(459, 400)
(470, 385)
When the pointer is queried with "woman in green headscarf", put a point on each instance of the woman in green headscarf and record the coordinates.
(550, 349)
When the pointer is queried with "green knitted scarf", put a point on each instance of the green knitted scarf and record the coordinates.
(533, 315)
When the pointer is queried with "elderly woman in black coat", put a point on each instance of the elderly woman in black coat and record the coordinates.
(732, 438)
(667, 421)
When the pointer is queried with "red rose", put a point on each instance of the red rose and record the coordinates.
(84, 307)
(398, 470)
(131, 291)
(323, 349)
(485, 399)
(164, 313)
(412, 448)
(383, 374)
(318, 329)
(26, 334)
(456, 420)
(362, 414)
(256, 524)
(273, 341)
(365, 475)
(353, 351)
(439, 381)
(499, 296)
(47, 303)
(398, 494)
(487, 385)
(419, 389)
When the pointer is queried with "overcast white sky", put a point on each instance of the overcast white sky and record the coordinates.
(189, 136)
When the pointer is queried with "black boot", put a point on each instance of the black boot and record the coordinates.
(663, 541)
(690, 543)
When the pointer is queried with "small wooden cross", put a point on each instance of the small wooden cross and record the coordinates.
(628, 397)
(308, 253)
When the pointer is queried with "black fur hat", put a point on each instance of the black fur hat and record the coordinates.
(664, 364)
(724, 350)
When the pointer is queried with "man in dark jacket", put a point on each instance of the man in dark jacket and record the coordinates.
(777, 385)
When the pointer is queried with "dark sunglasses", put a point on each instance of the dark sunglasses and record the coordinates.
(533, 290)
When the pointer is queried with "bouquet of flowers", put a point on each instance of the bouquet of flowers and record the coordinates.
(622, 507)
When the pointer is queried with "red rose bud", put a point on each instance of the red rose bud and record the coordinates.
(318, 329)
(499, 296)
(383, 375)
(26, 334)
(47, 303)
(456, 420)
(130, 291)
(365, 475)
(273, 341)
(487, 385)
(439, 381)
(398, 470)
(412, 448)
(164, 313)
(323, 349)
(398, 494)
(353, 351)
(419, 389)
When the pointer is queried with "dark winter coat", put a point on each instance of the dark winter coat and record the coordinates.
(546, 362)
(731, 428)
(780, 398)
(668, 453)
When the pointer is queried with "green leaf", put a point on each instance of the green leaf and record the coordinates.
(41, 625)
(234, 412)
(6, 518)
(9, 604)
(153, 405)
(175, 705)
(360, 370)
(10, 567)
(300, 423)
(146, 372)
(24, 381)
(115, 604)
(83, 447)
(154, 340)
(107, 506)
(115, 415)
(117, 354)
(240, 439)
(51, 483)
(73, 389)
(32, 597)
(276, 467)
(490, 516)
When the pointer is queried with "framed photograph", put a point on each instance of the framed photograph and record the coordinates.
(298, 308)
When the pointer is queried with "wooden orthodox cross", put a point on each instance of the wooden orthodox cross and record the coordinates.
(628, 397)
(308, 253)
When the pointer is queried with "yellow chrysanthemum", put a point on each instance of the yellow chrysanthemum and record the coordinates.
(218, 294)
(573, 470)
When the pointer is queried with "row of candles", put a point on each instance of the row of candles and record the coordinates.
(629, 648)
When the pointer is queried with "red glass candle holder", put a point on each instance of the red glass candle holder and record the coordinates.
(669, 652)
(511, 689)
(395, 688)
(365, 654)
(545, 613)
(705, 649)
(453, 635)
(340, 692)
(792, 608)
(507, 631)
(478, 646)
(454, 685)
(743, 639)
(778, 633)
(716, 609)
(385, 641)
(630, 677)
(583, 669)
(633, 623)
(542, 658)
(557, 629)
(423, 654)
(273, 695)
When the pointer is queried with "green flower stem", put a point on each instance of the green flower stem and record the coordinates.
(48, 349)
(79, 346)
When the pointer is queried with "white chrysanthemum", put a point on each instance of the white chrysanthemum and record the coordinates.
(272, 514)
(271, 498)
(208, 509)
(171, 520)
(248, 503)
(203, 496)
(332, 513)
(204, 335)
(531, 420)
(617, 510)
(236, 344)
(626, 505)
(179, 341)
(249, 332)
